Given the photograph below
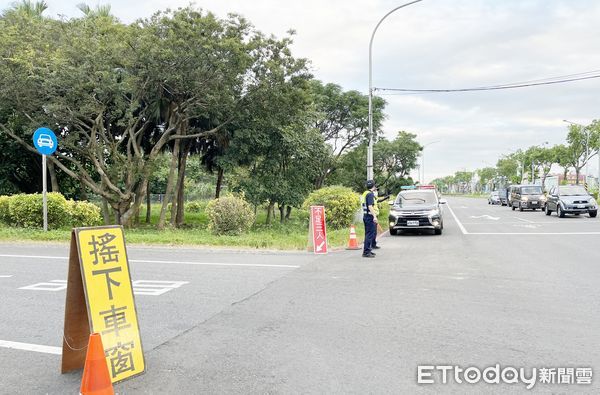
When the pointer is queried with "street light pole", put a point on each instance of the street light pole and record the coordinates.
(370, 147)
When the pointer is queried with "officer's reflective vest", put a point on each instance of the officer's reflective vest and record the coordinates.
(363, 202)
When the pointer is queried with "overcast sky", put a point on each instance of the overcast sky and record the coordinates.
(438, 44)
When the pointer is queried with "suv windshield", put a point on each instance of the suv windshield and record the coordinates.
(411, 198)
(572, 190)
(531, 190)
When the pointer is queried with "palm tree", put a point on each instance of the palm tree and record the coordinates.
(30, 8)
(99, 11)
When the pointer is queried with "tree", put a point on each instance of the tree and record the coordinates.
(542, 159)
(392, 163)
(463, 179)
(119, 95)
(342, 119)
(394, 160)
(563, 158)
(102, 11)
(487, 175)
(275, 147)
(28, 9)
(508, 167)
(580, 139)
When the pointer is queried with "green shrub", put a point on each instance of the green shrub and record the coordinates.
(197, 206)
(229, 215)
(84, 214)
(4, 213)
(341, 205)
(27, 210)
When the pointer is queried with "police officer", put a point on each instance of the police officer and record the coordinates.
(378, 200)
(368, 201)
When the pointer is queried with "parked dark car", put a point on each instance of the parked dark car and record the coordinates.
(416, 209)
(494, 198)
(527, 197)
(571, 199)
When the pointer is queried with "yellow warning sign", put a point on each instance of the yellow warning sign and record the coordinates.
(109, 298)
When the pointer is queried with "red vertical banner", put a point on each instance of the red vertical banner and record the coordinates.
(318, 229)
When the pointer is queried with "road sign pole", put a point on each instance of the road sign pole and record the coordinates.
(44, 140)
(44, 193)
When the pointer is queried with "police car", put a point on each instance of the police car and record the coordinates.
(416, 209)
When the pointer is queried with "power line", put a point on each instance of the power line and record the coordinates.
(545, 81)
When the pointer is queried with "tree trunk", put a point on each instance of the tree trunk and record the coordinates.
(288, 213)
(179, 217)
(170, 185)
(544, 182)
(53, 179)
(270, 212)
(148, 205)
(117, 215)
(281, 213)
(577, 171)
(105, 212)
(130, 211)
(136, 216)
(219, 183)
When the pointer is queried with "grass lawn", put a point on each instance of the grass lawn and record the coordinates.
(292, 235)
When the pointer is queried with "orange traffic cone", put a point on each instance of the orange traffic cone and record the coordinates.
(96, 380)
(352, 242)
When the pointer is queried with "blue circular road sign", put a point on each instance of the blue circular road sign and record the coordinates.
(44, 140)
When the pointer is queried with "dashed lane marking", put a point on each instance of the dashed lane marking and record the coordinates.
(31, 347)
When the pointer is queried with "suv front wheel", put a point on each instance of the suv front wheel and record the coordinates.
(593, 214)
(559, 211)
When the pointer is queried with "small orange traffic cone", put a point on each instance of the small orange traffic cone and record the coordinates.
(353, 242)
(96, 380)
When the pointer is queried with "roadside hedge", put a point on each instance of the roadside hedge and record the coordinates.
(84, 214)
(26, 210)
(340, 203)
(4, 215)
(230, 215)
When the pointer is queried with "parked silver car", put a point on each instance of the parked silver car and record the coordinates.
(571, 199)
(494, 198)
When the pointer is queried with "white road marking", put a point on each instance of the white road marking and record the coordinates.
(155, 287)
(214, 263)
(535, 233)
(5, 275)
(524, 220)
(462, 228)
(151, 261)
(53, 285)
(31, 347)
(140, 287)
(485, 216)
(528, 226)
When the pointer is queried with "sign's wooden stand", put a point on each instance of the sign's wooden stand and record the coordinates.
(77, 326)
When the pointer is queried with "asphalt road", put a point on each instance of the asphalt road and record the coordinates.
(498, 287)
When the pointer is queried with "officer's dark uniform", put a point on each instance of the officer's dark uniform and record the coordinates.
(369, 221)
